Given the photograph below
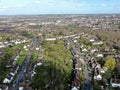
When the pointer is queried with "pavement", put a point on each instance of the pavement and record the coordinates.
(88, 79)
(24, 67)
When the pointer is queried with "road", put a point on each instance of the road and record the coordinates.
(24, 67)
(88, 79)
(63, 37)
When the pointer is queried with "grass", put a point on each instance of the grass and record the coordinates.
(9, 53)
(31, 36)
(57, 53)
(22, 57)
(35, 56)
(59, 66)
(3, 75)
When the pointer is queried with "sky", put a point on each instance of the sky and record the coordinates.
(33, 7)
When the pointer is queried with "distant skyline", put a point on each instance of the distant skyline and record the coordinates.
(33, 7)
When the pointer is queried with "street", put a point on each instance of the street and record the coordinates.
(88, 79)
(24, 67)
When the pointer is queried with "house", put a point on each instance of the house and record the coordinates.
(14, 69)
(98, 77)
(84, 50)
(3, 87)
(92, 40)
(75, 41)
(6, 42)
(2, 52)
(1, 42)
(25, 47)
(115, 82)
(74, 88)
(2, 45)
(10, 63)
(21, 88)
(102, 71)
(107, 49)
(37, 48)
(39, 63)
(50, 39)
(93, 50)
(10, 76)
(8, 79)
(17, 42)
(99, 55)
(28, 45)
(98, 43)
(9, 44)
(16, 58)
(23, 41)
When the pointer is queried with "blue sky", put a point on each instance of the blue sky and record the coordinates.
(14, 7)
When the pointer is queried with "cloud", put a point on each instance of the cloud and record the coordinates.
(36, 2)
(104, 5)
(3, 7)
(20, 5)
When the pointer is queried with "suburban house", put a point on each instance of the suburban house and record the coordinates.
(3, 87)
(8, 79)
(10, 76)
(92, 40)
(98, 77)
(2, 52)
(115, 82)
(74, 88)
(99, 55)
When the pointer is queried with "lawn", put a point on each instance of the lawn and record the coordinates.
(31, 36)
(59, 67)
(35, 56)
(9, 52)
(22, 57)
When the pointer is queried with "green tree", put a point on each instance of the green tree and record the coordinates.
(118, 67)
(8, 39)
(110, 63)
(96, 85)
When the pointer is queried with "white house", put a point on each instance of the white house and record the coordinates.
(75, 41)
(93, 50)
(39, 63)
(115, 82)
(98, 77)
(74, 88)
(8, 79)
(98, 43)
(17, 42)
(16, 58)
(21, 88)
(92, 40)
(3, 87)
(50, 39)
(99, 55)
(25, 47)
(102, 71)
(2, 46)
(84, 50)
(37, 48)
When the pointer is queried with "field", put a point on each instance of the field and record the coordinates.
(56, 69)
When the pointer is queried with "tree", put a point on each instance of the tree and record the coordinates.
(96, 85)
(8, 39)
(101, 61)
(117, 70)
(110, 63)
(118, 67)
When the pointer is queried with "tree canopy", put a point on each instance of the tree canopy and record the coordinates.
(110, 63)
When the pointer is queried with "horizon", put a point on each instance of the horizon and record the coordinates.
(39, 7)
(61, 14)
